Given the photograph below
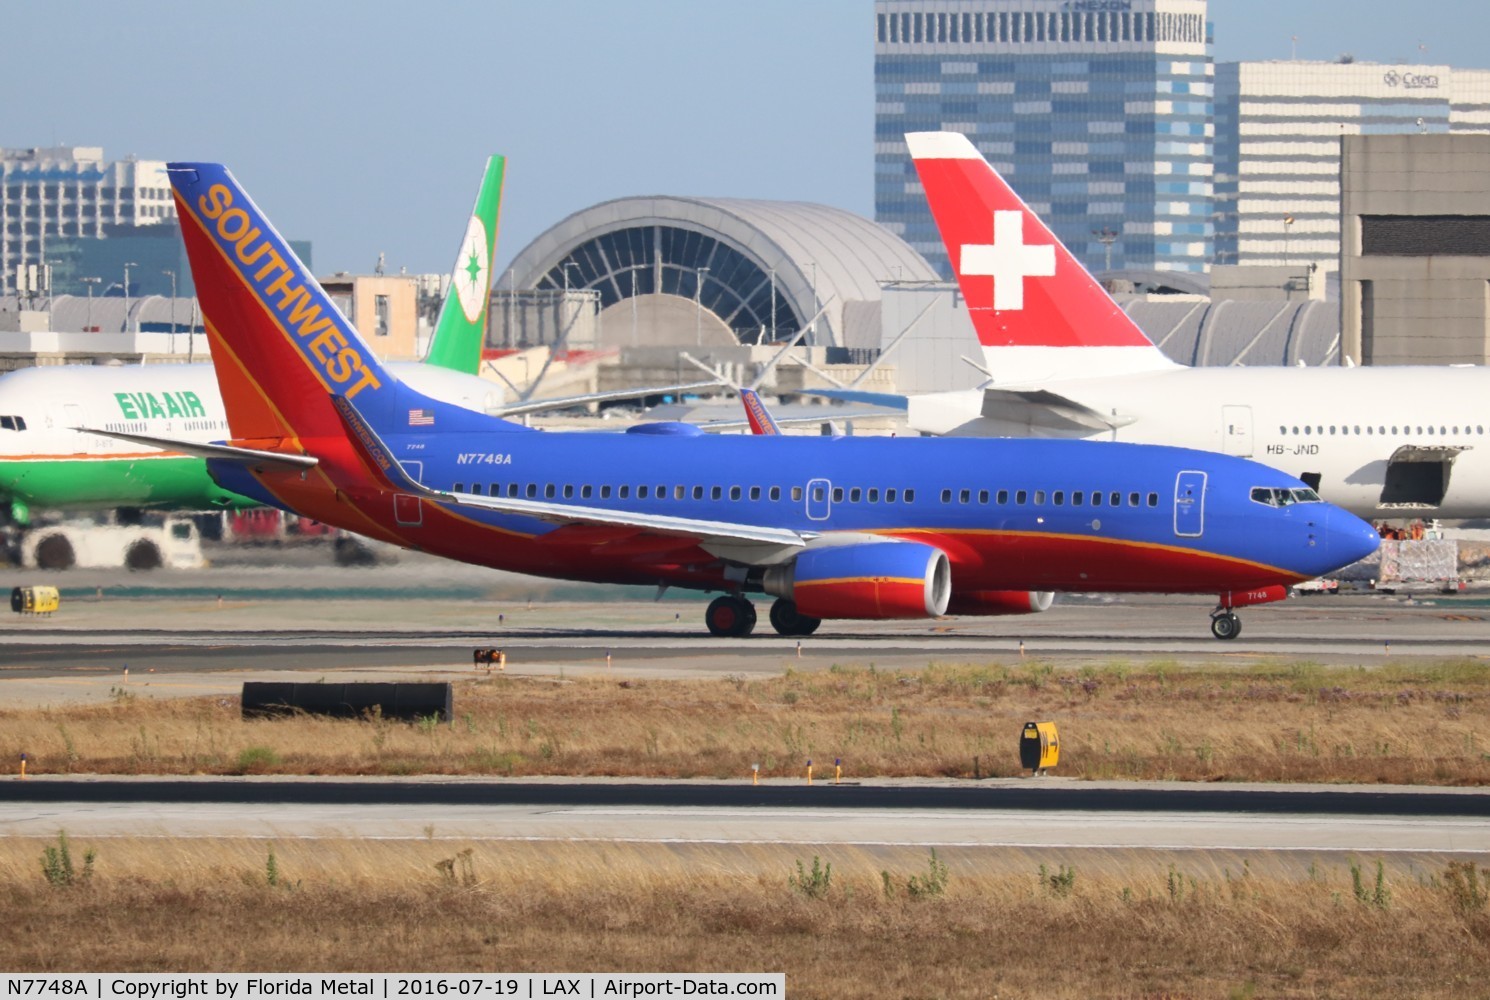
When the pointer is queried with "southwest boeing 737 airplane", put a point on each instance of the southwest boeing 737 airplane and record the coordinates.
(1066, 361)
(862, 528)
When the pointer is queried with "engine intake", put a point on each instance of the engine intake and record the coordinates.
(866, 580)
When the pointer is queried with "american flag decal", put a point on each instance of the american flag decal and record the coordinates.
(421, 418)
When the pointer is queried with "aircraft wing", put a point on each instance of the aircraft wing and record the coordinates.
(1031, 406)
(765, 543)
(270, 461)
(831, 417)
(888, 400)
(566, 402)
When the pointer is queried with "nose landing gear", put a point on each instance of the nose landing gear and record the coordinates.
(1225, 624)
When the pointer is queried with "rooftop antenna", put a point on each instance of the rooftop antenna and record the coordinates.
(1293, 51)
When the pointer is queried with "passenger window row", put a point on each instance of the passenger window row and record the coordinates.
(586, 491)
(840, 494)
(1322, 430)
(569, 491)
(1058, 498)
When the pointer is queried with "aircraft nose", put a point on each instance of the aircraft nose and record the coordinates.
(1348, 539)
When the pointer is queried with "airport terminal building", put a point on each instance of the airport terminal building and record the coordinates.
(668, 270)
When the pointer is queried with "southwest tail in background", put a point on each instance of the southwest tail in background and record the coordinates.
(460, 332)
(1038, 313)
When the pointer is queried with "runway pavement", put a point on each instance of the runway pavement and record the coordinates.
(205, 632)
(996, 814)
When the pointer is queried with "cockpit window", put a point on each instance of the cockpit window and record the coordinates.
(1274, 496)
(12, 423)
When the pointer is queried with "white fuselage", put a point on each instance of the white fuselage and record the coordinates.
(46, 461)
(1345, 425)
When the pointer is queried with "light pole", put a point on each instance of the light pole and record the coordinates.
(812, 327)
(773, 305)
(47, 280)
(172, 275)
(127, 266)
(1287, 232)
(509, 339)
(564, 329)
(1107, 237)
(698, 306)
(90, 282)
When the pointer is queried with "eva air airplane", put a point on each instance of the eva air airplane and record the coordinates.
(48, 461)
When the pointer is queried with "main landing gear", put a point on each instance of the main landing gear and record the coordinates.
(732, 616)
(1225, 624)
(787, 620)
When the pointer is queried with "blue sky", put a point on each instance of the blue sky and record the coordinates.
(363, 124)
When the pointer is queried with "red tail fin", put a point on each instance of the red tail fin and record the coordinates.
(1023, 288)
(280, 344)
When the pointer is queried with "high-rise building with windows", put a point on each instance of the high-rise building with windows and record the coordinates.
(1279, 127)
(71, 192)
(1098, 111)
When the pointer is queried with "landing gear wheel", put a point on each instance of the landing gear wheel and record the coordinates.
(730, 617)
(1226, 625)
(786, 620)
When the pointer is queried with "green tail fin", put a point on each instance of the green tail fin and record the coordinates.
(460, 333)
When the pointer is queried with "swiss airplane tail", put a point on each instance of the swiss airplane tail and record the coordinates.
(1038, 313)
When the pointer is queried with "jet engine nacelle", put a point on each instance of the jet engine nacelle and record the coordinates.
(1000, 602)
(868, 580)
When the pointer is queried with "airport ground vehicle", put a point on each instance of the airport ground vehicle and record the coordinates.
(170, 542)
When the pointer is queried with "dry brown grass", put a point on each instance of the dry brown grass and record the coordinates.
(1148, 930)
(1400, 723)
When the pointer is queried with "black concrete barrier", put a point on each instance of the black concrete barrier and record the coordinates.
(353, 701)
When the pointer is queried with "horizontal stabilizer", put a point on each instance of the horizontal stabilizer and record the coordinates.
(264, 461)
